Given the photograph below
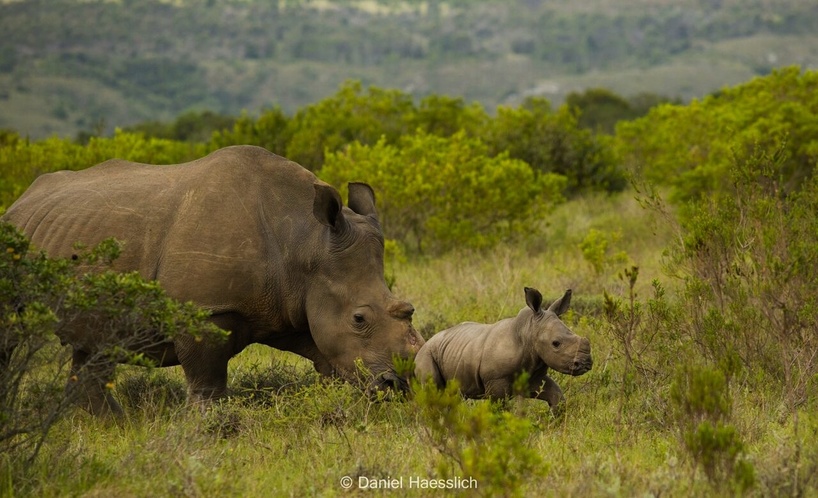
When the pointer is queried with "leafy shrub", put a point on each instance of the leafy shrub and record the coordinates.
(40, 296)
(554, 142)
(485, 444)
(747, 258)
(444, 116)
(23, 161)
(752, 260)
(348, 116)
(691, 147)
(596, 250)
(437, 193)
(701, 400)
(645, 336)
(268, 130)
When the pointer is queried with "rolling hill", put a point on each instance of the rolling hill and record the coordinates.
(91, 65)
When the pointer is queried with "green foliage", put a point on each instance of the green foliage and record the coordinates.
(691, 148)
(122, 315)
(553, 142)
(190, 126)
(600, 109)
(487, 445)
(596, 249)
(269, 131)
(22, 160)
(438, 193)
(750, 256)
(445, 116)
(746, 259)
(348, 116)
(645, 336)
(701, 400)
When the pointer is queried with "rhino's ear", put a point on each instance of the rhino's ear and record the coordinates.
(362, 199)
(533, 299)
(327, 206)
(560, 306)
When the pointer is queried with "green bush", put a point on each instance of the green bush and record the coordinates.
(700, 397)
(437, 193)
(22, 161)
(554, 142)
(751, 260)
(691, 148)
(270, 130)
(348, 116)
(39, 297)
(485, 443)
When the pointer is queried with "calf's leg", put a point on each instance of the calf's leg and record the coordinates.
(426, 369)
(547, 390)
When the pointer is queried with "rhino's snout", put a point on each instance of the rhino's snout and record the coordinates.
(581, 366)
(583, 360)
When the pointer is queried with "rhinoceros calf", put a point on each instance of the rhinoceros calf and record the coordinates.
(252, 237)
(486, 359)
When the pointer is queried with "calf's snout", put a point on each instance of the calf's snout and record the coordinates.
(582, 360)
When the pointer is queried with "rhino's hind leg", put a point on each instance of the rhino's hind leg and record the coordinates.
(90, 384)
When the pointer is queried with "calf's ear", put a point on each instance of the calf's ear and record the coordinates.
(327, 206)
(560, 306)
(533, 299)
(362, 199)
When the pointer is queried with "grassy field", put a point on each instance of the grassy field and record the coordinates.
(285, 432)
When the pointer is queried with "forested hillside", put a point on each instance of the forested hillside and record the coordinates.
(68, 66)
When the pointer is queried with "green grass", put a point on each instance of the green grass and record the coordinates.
(286, 432)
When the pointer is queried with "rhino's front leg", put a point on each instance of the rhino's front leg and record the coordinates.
(546, 389)
(90, 382)
(205, 367)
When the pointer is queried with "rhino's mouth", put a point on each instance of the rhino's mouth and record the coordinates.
(384, 382)
(580, 366)
(390, 381)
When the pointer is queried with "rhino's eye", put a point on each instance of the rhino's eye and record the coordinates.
(556, 344)
(359, 318)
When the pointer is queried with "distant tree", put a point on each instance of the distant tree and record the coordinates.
(270, 130)
(351, 115)
(437, 193)
(192, 126)
(21, 161)
(692, 148)
(553, 142)
(599, 109)
(445, 116)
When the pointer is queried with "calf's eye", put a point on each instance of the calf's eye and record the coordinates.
(556, 344)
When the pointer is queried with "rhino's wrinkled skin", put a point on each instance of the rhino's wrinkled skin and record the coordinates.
(486, 359)
(252, 237)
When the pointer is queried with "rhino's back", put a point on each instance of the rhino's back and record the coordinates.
(186, 225)
(473, 353)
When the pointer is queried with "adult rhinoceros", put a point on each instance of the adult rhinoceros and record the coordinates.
(252, 237)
